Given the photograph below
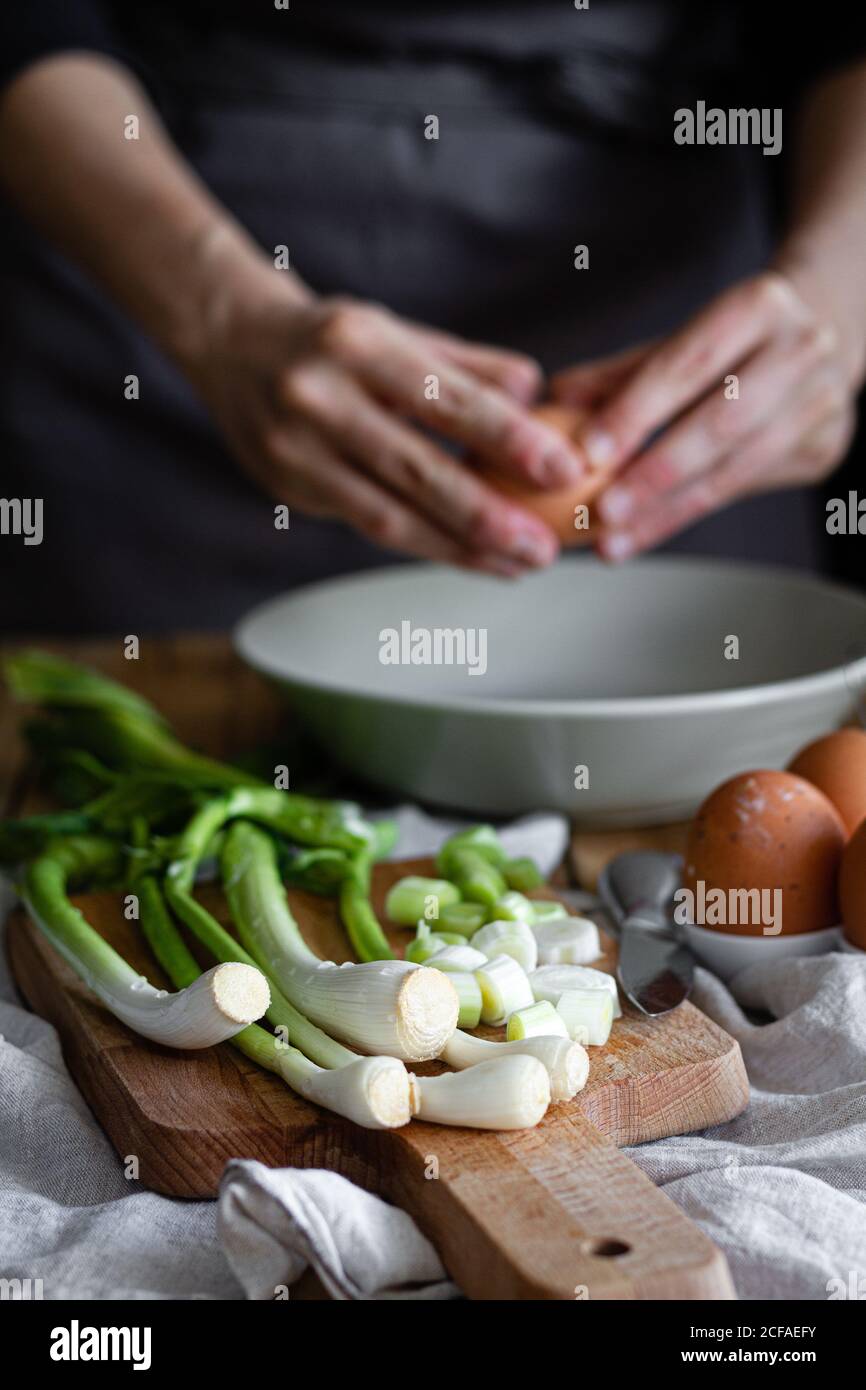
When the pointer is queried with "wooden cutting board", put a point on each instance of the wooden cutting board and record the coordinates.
(551, 1213)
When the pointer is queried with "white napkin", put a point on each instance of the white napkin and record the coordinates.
(275, 1222)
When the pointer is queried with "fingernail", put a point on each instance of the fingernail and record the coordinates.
(617, 546)
(600, 447)
(559, 466)
(532, 549)
(615, 504)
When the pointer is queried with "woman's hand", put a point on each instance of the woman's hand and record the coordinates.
(794, 338)
(322, 399)
(756, 392)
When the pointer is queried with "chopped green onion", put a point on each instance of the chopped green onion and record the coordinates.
(510, 939)
(569, 941)
(468, 992)
(550, 981)
(546, 910)
(460, 957)
(513, 907)
(464, 918)
(535, 1021)
(504, 988)
(424, 944)
(522, 874)
(413, 897)
(476, 877)
(587, 1015)
(481, 839)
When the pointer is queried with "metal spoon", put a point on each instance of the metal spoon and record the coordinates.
(655, 969)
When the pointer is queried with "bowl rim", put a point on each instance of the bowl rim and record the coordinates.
(736, 938)
(611, 707)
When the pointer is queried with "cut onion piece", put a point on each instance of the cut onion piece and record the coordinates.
(587, 1015)
(550, 981)
(536, 1021)
(508, 938)
(568, 941)
(504, 988)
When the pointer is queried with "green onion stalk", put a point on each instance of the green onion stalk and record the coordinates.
(375, 1092)
(386, 1007)
(213, 1008)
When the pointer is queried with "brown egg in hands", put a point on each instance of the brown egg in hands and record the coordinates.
(836, 765)
(758, 833)
(564, 509)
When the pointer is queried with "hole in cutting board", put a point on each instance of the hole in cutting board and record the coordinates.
(606, 1247)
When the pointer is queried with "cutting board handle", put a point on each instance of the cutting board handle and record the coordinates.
(619, 1236)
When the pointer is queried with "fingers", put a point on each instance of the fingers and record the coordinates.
(518, 376)
(396, 366)
(801, 442)
(438, 487)
(592, 382)
(302, 469)
(687, 364)
(709, 431)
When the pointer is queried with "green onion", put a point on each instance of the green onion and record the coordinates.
(513, 907)
(474, 875)
(373, 1091)
(550, 981)
(382, 1006)
(209, 1009)
(509, 939)
(504, 988)
(587, 1015)
(535, 1021)
(480, 839)
(522, 874)
(568, 941)
(462, 918)
(512, 1092)
(565, 1062)
(364, 929)
(413, 897)
(468, 993)
(459, 957)
(545, 910)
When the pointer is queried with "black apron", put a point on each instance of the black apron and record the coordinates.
(551, 134)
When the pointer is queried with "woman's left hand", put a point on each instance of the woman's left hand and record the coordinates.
(756, 392)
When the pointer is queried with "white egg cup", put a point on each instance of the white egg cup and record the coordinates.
(727, 953)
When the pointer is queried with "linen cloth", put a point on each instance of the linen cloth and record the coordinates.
(781, 1189)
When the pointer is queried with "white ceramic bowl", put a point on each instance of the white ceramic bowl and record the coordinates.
(621, 669)
(726, 953)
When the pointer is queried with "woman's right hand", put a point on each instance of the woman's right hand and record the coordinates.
(321, 402)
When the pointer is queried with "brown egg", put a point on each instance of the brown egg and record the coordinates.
(767, 831)
(557, 507)
(836, 764)
(852, 888)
